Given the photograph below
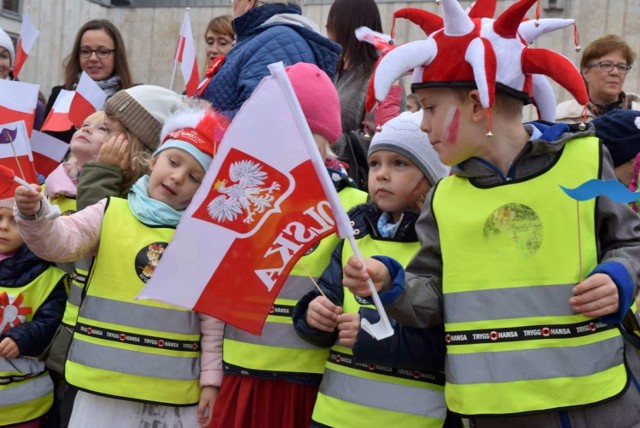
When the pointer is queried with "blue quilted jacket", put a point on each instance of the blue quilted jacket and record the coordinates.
(259, 44)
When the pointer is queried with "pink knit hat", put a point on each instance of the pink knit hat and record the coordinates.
(318, 98)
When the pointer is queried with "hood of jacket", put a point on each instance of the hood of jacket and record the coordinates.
(537, 153)
(22, 268)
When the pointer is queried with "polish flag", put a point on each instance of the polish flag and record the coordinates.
(58, 118)
(18, 101)
(88, 99)
(48, 152)
(28, 35)
(186, 56)
(255, 214)
(15, 154)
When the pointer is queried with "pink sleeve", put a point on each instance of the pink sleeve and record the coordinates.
(65, 239)
(211, 343)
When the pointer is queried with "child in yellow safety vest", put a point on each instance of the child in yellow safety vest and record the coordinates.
(109, 153)
(135, 362)
(32, 296)
(366, 382)
(530, 284)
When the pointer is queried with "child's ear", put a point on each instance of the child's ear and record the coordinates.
(152, 163)
(478, 111)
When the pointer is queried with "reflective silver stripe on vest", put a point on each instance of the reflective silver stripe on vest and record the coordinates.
(133, 315)
(534, 364)
(508, 303)
(273, 334)
(75, 294)
(21, 365)
(382, 395)
(28, 390)
(134, 362)
(295, 287)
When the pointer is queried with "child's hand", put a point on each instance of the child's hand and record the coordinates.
(349, 325)
(9, 348)
(115, 151)
(596, 296)
(28, 201)
(208, 395)
(322, 314)
(355, 279)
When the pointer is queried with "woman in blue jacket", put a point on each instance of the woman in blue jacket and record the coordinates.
(267, 31)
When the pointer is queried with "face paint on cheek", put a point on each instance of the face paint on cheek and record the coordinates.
(416, 188)
(451, 124)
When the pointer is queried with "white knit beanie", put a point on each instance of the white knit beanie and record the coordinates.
(7, 43)
(143, 110)
(403, 135)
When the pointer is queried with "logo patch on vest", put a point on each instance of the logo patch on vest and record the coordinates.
(513, 229)
(12, 313)
(147, 260)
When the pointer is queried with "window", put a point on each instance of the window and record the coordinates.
(11, 6)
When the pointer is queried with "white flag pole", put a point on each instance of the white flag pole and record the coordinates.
(175, 55)
(381, 329)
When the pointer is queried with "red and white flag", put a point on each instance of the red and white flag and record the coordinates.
(255, 214)
(18, 101)
(15, 154)
(48, 152)
(58, 118)
(89, 98)
(186, 56)
(28, 35)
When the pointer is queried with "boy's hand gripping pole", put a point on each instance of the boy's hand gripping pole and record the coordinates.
(382, 329)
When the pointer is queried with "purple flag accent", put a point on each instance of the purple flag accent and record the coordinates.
(8, 136)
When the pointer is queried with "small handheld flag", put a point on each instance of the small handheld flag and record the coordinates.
(9, 175)
(28, 35)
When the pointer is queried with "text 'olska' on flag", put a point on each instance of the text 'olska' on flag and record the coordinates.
(265, 201)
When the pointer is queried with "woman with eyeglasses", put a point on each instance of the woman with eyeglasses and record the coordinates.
(605, 64)
(99, 51)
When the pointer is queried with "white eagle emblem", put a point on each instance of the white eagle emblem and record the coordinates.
(245, 196)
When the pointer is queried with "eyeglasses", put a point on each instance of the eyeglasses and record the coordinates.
(101, 53)
(607, 67)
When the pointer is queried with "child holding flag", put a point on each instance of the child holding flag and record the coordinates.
(402, 169)
(32, 296)
(132, 122)
(127, 352)
(272, 380)
(530, 288)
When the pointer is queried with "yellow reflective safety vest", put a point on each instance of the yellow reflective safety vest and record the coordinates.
(67, 205)
(279, 348)
(26, 390)
(139, 350)
(511, 256)
(354, 394)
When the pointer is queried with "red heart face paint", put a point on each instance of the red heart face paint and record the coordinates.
(451, 124)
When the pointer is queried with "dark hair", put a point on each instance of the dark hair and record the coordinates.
(344, 17)
(604, 45)
(221, 25)
(121, 67)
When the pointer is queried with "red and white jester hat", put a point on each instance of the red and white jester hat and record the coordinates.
(474, 50)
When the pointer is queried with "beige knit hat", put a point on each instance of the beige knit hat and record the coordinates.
(7, 203)
(143, 110)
